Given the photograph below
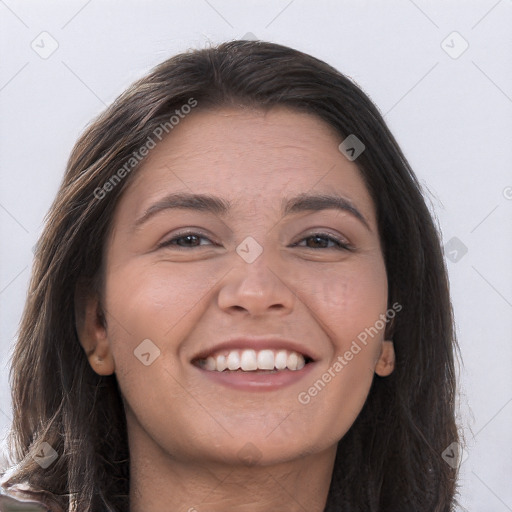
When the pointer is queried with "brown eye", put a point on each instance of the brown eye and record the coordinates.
(320, 240)
(186, 240)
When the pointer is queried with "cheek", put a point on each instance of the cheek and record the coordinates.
(349, 304)
(152, 302)
(160, 304)
(347, 300)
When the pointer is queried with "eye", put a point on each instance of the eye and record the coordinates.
(320, 238)
(190, 238)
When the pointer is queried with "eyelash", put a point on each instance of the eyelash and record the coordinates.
(340, 245)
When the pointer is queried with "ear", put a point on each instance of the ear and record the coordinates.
(91, 329)
(386, 362)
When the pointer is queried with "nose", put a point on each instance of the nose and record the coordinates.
(257, 288)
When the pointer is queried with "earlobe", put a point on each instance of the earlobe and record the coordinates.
(92, 331)
(386, 362)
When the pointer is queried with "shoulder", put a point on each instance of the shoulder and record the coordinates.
(18, 498)
(9, 503)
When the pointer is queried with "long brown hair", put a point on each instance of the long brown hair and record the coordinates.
(391, 458)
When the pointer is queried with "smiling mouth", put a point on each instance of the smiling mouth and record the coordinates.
(255, 361)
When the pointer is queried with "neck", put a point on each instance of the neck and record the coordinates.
(159, 481)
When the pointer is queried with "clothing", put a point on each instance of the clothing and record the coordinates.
(16, 499)
(11, 501)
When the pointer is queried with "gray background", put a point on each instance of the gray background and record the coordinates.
(450, 110)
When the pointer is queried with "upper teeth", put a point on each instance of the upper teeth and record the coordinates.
(252, 360)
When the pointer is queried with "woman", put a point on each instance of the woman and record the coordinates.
(239, 302)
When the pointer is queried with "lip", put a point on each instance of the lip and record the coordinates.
(257, 381)
(257, 343)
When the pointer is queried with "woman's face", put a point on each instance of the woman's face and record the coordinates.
(256, 279)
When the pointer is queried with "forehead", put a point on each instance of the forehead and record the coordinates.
(249, 157)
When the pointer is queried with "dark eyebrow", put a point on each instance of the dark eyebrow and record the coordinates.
(220, 206)
(308, 202)
(187, 201)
